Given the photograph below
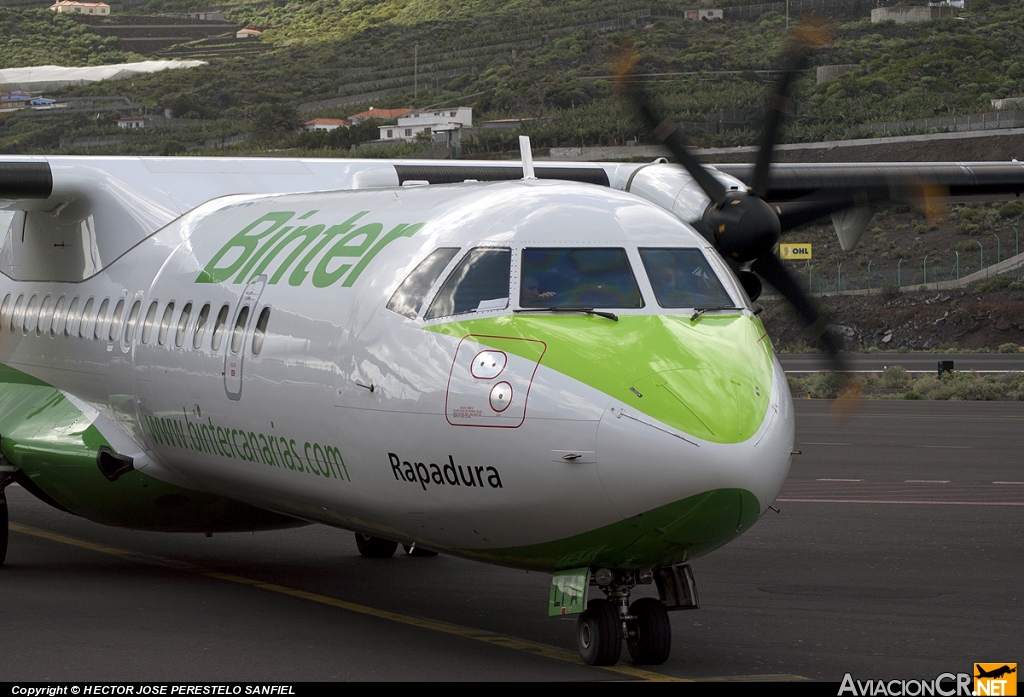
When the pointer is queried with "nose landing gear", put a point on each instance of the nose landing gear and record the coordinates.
(644, 624)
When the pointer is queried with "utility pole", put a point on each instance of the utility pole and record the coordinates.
(415, 71)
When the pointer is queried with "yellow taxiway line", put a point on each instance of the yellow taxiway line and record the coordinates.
(431, 625)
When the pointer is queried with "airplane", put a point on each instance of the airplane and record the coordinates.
(498, 370)
(554, 367)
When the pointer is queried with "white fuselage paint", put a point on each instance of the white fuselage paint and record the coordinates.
(324, 347)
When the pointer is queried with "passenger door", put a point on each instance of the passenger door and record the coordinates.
(236, 341)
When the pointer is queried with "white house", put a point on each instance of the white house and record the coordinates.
(428, 122)
(84, 8)
(207, 16)
(131, 122)
(320, 124)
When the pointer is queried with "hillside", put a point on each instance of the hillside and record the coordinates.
(541, 58)
(528, 58)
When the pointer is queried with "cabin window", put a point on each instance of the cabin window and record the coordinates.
(44, 315)
(260, 332)
(204, 315)
(479, 283)
(115, 321)
(4, 308)
(239, 331)
(58, 315)
(218, 328)
(186, 313)
(408, 299)
(683, 278)
(587, 277)
(15, 321)
(165, 324)
(147, 324)
(133, 320)
(83, 326)
(30, 314)
(72, 316)
(101, 317)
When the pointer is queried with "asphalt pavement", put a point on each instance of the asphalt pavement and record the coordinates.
(912, 362)
(896, 554)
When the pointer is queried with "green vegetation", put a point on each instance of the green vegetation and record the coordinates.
(42, 37)
(896, 383)
(530, 58)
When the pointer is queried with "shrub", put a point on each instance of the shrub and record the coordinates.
(978, 390)
(826, 384)
(1009, 348)
(926, 385)
(1011, 209)
(994, 284)
(894, 376)
(797, 386)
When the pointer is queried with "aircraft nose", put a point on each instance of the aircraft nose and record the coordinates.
(717, 418)
(710, 378)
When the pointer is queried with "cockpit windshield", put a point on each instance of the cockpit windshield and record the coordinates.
(588, 277)
(683, 278)
(479, 283)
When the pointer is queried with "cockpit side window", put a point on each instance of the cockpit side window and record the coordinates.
(412, 293)
(683, 278)
(480, 282)
(587, 277)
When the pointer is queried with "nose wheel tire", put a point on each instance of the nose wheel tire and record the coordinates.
(375, 547)
(418, 551)
(599, 634)
(650, 633)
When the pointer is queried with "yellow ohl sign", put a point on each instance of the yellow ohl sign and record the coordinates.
(795, 251)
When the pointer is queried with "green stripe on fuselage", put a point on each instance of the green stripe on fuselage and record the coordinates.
(664, 536)
(55, 445)
(711, 377)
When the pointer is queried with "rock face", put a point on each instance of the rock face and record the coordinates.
(961, 318)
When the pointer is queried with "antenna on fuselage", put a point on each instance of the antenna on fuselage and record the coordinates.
(527, 155)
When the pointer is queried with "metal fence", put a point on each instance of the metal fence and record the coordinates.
(987, 121)
(974, 260)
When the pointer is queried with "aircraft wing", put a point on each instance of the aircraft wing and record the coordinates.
(143, 194)
(885, 182)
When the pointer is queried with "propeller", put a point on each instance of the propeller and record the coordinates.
(741, 225)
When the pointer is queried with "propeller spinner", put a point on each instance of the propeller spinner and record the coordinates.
(741, 225)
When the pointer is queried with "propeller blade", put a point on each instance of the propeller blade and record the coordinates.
(814, 31)
(623, 67)
(770, 268)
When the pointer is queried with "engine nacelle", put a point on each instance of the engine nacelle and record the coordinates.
(671, 187)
